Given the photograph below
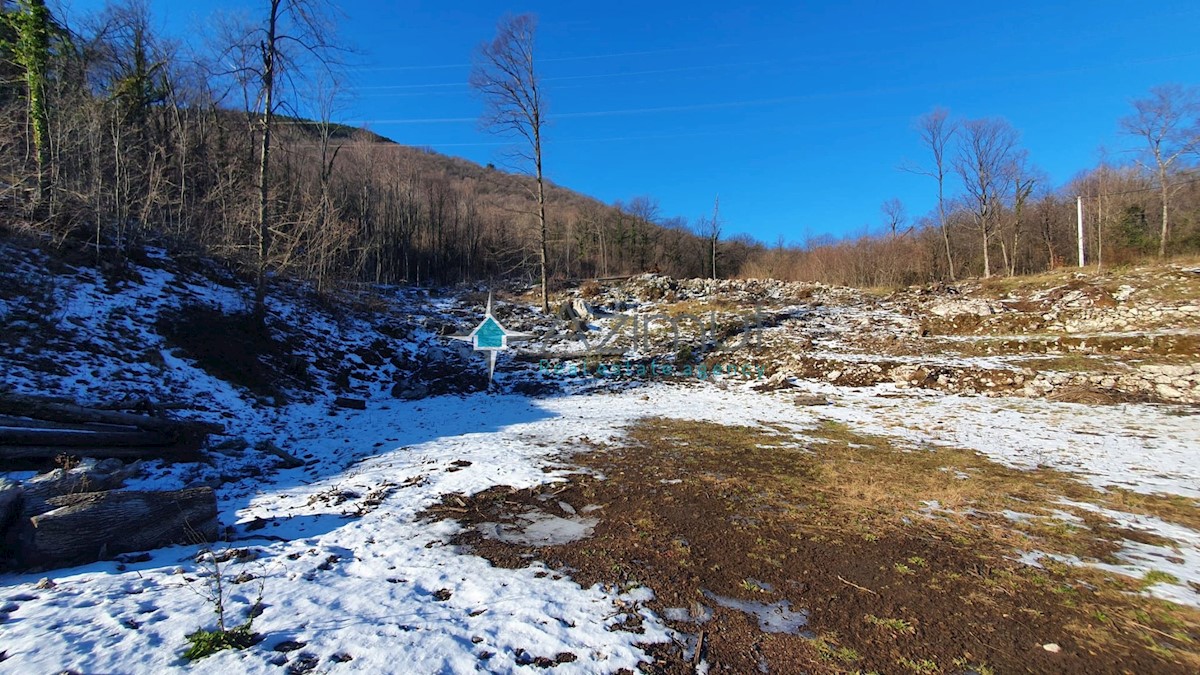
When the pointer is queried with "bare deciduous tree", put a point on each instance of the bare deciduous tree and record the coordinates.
(986, 154)
(936, 130)
(295, 37)
(710, 229)
(1022, 179)
(1166, 121)
(505, 75)
(894, 217)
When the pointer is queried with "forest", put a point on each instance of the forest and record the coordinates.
(114, 136)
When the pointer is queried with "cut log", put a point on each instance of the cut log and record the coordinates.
(89, 476)
(10, 421)
(289, 461)
(93, 526)
(81, 437)
(38, 452)
(11, 497)
(43, 408)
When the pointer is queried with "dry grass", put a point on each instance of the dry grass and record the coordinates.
(836, 485)
(868, 484)
(1070, 363)
(703, 307)
(1078, 394)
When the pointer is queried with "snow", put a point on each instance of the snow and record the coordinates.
(376, 600)
(348, 568)
(541, 529)
(776, 617)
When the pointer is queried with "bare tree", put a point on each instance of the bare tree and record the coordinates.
(327, 97)
(986, 154)
(1166, 121)
(710, 229)
(1022, 179)
(505, 76)
(645, 214)
(274, 56)
(936, 130)
(894, 217)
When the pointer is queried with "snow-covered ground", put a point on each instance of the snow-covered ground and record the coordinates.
(368, 585)
(348, 570)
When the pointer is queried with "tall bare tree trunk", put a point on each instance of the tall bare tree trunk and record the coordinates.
(987, 263)
(715, 234)
(942, 224)
(541, 199)
(1165, 189)
(505, 74)
(268, 48)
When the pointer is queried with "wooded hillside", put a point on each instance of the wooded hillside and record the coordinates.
(112, 135)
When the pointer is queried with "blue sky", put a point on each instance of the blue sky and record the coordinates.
(797, 114)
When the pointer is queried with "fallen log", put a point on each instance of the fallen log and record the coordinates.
(89, 476)
(92, 526)
(11, 421)
(40, 452)
(82, 437)
(56, 410)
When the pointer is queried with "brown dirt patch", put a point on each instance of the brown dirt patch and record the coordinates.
(840, 529)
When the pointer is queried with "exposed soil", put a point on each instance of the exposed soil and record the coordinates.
(235, 348)
(698, 513)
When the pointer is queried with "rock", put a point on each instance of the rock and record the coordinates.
(576, 309)
(1175, 371)
(1052, 647)
(951, 307)
(351, 403)
(1167, 391)
(409, 391)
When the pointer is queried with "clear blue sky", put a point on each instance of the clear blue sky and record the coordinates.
(796, 114)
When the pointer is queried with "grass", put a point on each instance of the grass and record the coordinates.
(702, 308)
(894, 625)
(847, 485)
(922, 667)
(768, 503)
(208, 642)
(1157, 577)
(828, 649)
(1068, 363)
